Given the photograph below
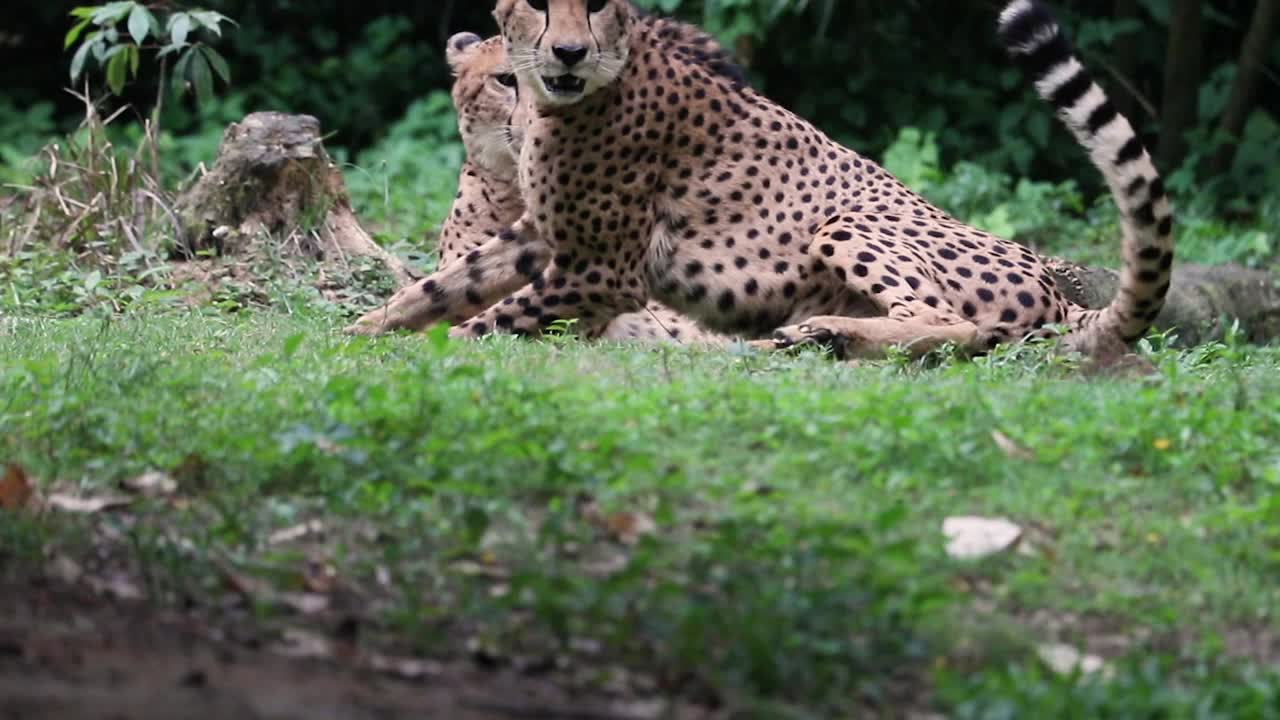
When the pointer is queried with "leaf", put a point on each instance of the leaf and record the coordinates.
(404, 668)
(201, 78)
(295, 533)
(180, 79)
(217, 62)
(292, 343)
(112, 12)
(16, 489)
(211, 20)
(179, 28)
(303, 644)
(74, 33)
(78, 60)
(87, 505)
(151, 484)
(304, 603)
(102, 43)
(192, 471)
(320, 577)
(116, 585)
(974, 538)
(1011, 448)
(629, 527)
(65, 570)
(140, 23)
(1066, 660)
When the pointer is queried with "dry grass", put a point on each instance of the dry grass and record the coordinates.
(92, 197)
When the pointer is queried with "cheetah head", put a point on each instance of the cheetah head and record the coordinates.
(485, 95)
(565, 50)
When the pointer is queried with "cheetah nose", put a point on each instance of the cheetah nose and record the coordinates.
(570, 55)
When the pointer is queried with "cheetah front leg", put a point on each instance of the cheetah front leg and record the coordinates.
(572, 287)
(871, 338)
(465, 287)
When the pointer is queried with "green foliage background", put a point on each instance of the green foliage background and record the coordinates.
(920, 86)
(860, 69)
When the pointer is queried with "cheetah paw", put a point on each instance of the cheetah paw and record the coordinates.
(793, 336)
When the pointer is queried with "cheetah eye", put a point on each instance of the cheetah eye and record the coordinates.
(506, 79)
(595, 6)
(539, 5)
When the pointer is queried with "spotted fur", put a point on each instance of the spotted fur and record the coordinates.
(488, 203)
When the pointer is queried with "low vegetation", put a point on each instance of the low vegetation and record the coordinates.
(751, 528)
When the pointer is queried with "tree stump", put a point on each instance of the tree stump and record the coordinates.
(273, 178)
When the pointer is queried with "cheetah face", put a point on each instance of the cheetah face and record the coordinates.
(565, 50)
(485, 95)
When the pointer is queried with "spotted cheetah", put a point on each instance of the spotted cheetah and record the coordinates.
(653, 176)
(485, 96)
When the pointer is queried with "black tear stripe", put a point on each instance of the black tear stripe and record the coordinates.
(546, 28)
(592, 32)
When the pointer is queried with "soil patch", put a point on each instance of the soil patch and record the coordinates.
(71, 654)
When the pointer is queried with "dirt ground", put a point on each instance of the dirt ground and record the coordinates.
(71, 654)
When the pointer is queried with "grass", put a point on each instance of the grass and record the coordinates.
(497, 497)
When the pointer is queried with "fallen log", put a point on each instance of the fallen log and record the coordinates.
(1204, 301)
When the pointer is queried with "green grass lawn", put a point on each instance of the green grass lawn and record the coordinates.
(766, 529)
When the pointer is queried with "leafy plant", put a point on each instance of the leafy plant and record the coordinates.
(157, 27)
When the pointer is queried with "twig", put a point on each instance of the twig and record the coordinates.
(18, 240)
(178, 236)
(1147, 106)
(63, 237)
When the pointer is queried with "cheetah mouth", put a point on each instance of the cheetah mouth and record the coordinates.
(565, 85)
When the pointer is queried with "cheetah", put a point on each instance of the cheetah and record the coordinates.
(485, 96)
(651, 176)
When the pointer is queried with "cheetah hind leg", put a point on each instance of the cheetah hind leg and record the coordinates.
(871, 338)
(658, 324)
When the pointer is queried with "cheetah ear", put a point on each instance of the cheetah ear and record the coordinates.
(458, 45)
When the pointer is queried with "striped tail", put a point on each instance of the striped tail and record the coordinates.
(1033, 38)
